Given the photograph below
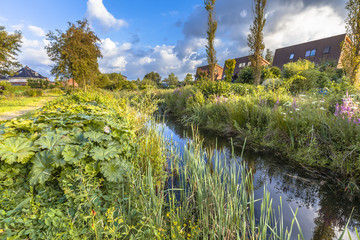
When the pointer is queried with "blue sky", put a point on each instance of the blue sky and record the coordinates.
(164, 35)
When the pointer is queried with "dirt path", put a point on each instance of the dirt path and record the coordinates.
(27, 109)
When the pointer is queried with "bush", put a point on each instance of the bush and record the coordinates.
(34, 92)
(293, 68)
(271, 73)
(246, 75)
(208, 88)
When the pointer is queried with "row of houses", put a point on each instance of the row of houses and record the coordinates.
(326, 49)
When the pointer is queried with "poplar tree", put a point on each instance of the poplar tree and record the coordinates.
(351, 50)
(212, 26)
(9, 47)
(230, 67)
(255, 39)
(75, 53)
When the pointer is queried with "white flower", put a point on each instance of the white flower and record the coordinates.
(321, 108)
(107, 129)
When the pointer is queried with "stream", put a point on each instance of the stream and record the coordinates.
(323, 209)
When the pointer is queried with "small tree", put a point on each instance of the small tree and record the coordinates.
(9, 46)
(269, 56)
(172, 80)
(75, 53)
(188, 79)
(256, 39)
(153, 76)
(351, 49)
(230, 67)
(210, 48)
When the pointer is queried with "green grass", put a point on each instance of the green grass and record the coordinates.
(23, 103)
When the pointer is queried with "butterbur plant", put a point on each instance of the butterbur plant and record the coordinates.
(349, 109)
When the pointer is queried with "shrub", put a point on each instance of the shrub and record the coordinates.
(34, 92)
(208, 88)
(293, 68)
(246, 75)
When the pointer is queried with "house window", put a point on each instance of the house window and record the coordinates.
(292, 56)
(249, 63)
(313, 52)
(327, 50)
(307, 54)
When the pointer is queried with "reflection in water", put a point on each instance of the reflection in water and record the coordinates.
(323, 209)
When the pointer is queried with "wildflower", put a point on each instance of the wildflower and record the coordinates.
(107, 129)
(321, 108)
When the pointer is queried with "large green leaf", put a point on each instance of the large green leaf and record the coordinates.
(99, 153)
(73, 153)
(16, 149)
(49, 140)
(97, 136)
(42, 167)
(115, 170)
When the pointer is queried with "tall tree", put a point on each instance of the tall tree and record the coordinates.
(9, 46)
(75, 53)
(230, 67)
(256, 39)
(351, 49)
(210, 48)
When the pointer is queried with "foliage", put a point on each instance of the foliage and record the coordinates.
(189, 80)
(172, 80)
(38, 83)
(154, 77)
(292, 68)
(208, 88)
(269, 56)
(351, 49)
(255, 39)
(246, 75)
(212, 27)
(229, 72)
(271, 73)
(34, 92)
(10, 46)
(75, 53)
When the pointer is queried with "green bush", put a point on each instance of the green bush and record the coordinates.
(246, 75)
(209, 88)
(34, 92)
(293, 68)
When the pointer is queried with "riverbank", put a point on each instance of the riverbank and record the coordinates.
(316, 130)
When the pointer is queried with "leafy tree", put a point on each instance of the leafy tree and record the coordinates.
(188, 79)
(212, 26)
(9, 46)
(351, 50)
(75, 53)
(256, 39)
(202, 75)
(269, 56)
(230, 67)
(172, 80)
(153, 76)
(38, 83)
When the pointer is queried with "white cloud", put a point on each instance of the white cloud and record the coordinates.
(145, 60)
(37, 31)
(97, 10)
(310, 24)
(17, 27)
(243, 13)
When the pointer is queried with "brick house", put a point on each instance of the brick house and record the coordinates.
(326, 49)
(241, 63)
(70, 82)
(205, 70)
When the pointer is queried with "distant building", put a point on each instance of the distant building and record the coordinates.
(241, 63)
(326, 49)
(21, 77)
(70, 82)
(205, 70)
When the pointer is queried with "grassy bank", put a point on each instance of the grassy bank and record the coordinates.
(315, 129)
(89, 167)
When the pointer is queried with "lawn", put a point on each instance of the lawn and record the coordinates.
(17, 105)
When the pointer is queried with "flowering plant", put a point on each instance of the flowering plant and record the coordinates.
(349, 110)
